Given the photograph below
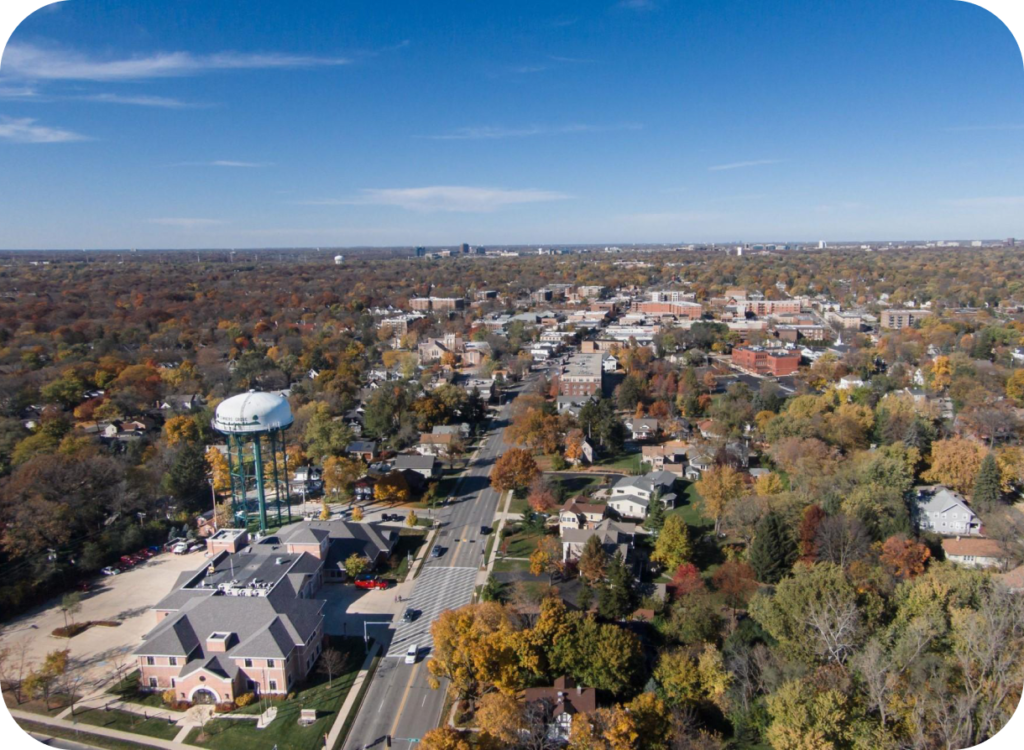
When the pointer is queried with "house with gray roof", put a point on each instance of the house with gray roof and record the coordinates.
(615, 536)
(631, 497)
(944, 511)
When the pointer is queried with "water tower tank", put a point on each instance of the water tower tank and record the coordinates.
(254, 411)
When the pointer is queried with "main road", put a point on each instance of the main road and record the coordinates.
(399, 703)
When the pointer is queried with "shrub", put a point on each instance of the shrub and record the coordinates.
(170, 697)
(244, 699)
(558, 462)
(225, 707)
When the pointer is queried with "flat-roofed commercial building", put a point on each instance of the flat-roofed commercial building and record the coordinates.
(582, 376)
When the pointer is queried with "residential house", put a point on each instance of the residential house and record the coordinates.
(426, 466)
(559, 704)
(645, 428)
(615, 536)
(946, 512)
(432, 444)
(974, 553)
(364, 449)
(576, 514)
(631, 496)
(362, 488)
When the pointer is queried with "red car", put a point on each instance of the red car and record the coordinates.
(371, 582)
(127, 560)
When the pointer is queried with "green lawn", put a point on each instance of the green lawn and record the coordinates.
(578, 485)
(95, 740)
(409, 543)
(518, 505)
(129, 691)
(522, 543)
(284, 732)
(626, 461)
(502, 565)
(689, 505)
(126, 721)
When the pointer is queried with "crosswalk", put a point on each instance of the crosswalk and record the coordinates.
(436, 590)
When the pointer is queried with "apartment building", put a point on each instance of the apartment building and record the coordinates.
(766, 361)
(896, 319)
(582, 376)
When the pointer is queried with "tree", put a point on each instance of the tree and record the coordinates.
(325, 511)
(492, 591)
(181, 429)
(773, 551)
(546, 558)
(357, 514)
(719, 487)
(655, 520)
(542, 497)
(500, 717)
(391, 488)
(768, 484)
(988, 484)
(1015, 387)
(593, 560)
(412, 519)
(651, 717)
(955, 463)
(803, 718)
(809, 523)
(687, 580)
(574, 445)
(71, 605)
(218, 467)
(340, 474)
(325, 436)
(330, 663)
(673, 548)
(617, 599)
(186, 477)
(356, 565)
(514, 470)
(43, 681)
(444, 738)
(736, 582)
(904, 557)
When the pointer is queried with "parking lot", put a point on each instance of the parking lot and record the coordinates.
(124, 598)
(347, 607)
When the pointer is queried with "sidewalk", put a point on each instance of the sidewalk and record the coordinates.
(116, 734)
(353, 695)
(502, 517)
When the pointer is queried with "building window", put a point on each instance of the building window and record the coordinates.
(174, 682)
(150, 661)
(248, 663)
(270, 663)
(173, 661)
(152, 682)
(273, 685)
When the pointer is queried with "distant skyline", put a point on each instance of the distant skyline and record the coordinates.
(150, 124)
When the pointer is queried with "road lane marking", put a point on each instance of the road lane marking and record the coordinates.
(405, 697)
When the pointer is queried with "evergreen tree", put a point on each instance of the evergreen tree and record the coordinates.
(655, 517)
(618, 598)
(987, 490)
(186, 478)
(773, 551)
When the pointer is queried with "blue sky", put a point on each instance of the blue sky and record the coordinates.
(190, 124)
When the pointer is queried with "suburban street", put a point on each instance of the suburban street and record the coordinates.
(399, 701)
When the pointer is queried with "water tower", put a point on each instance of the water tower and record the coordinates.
(254, 425)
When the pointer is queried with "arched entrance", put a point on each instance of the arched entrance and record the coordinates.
(204, 696)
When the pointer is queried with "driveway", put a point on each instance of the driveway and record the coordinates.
(124, 598)
(346, 608)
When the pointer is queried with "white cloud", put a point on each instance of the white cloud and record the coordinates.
(139, 101)
(527, 68)
(446, 198)
(489, 132)
(187, 223)
(743, 164)
(993, 201)
(18, 92)
(225, 163)
(28, 61)
(24, 130)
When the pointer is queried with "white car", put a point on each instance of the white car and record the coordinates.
(108, 571)
(411, 654)
(180, 548)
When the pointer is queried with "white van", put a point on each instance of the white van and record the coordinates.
(411, 654)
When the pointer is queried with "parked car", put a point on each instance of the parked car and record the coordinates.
(180, 548)
(411, 654)
(437, 551)
(371, 582)
(110, 571)
(146, 553)
(196, 546)
(127, 560)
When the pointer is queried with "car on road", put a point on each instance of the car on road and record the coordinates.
(411, 654)
(409, 615)
(370, 582)
(437, 551)
(110, 571)
(485, 530)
